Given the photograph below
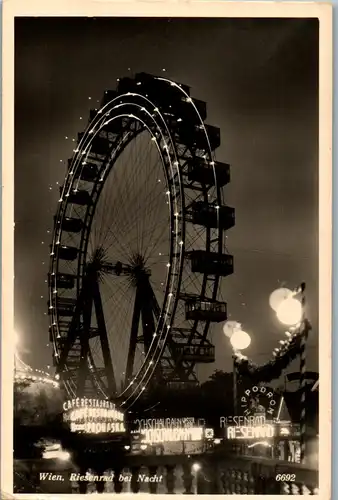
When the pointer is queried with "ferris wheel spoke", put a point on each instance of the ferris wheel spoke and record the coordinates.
(150, 214)
(133, 336)
(143, 193)
(155, 287)
(142, 162)
(124, 248)
(128, 229)
(117, 294)
(149, 232)
(102, 213)
(156, 243)
(119, 305)
(128, 194)
(141, 210)
(149, 236)
(152, 204)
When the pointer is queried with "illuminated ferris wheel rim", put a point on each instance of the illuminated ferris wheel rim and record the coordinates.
(176, 256)
(155, 123)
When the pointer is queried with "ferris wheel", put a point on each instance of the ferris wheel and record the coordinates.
(138, 244)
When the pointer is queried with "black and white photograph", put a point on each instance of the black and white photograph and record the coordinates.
(167, 240)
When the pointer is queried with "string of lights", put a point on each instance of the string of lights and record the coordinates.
(25, 373)
(282, 357)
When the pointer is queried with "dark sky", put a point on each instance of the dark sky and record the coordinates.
(260, 81)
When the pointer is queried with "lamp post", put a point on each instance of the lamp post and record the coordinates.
(196, 467)
(291, 311)
(302, 378)
(239, 340)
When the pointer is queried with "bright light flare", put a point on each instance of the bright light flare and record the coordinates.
(240, 340)
(278, 296)
(62, 455)
(196, 467)
(16, 339)
(260, 443)
(289, 312)
(230, 327)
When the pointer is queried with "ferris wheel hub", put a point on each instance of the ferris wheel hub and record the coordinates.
(139, 271)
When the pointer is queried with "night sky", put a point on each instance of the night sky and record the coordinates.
(260, 81)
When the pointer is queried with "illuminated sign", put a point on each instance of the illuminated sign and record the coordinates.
(242, 421)
(250, 432)
(93, 416)
(174, 434)
(171, 430)
(258, 399)
(88, 403)
(166, 423)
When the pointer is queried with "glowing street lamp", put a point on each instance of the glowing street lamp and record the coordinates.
(196, 467)
(240, 340)
(290, 311)
(278, 296)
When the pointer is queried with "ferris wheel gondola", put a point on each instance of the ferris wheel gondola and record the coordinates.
(138, 247)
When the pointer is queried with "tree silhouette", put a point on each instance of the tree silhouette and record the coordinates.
(37, 415)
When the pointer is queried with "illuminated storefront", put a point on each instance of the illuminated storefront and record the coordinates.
(250, 432)
(93, 416)
(171, 435)
(167, 435)
(167, 423)
(274, 439)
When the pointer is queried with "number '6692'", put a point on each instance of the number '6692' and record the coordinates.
(286, 477)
